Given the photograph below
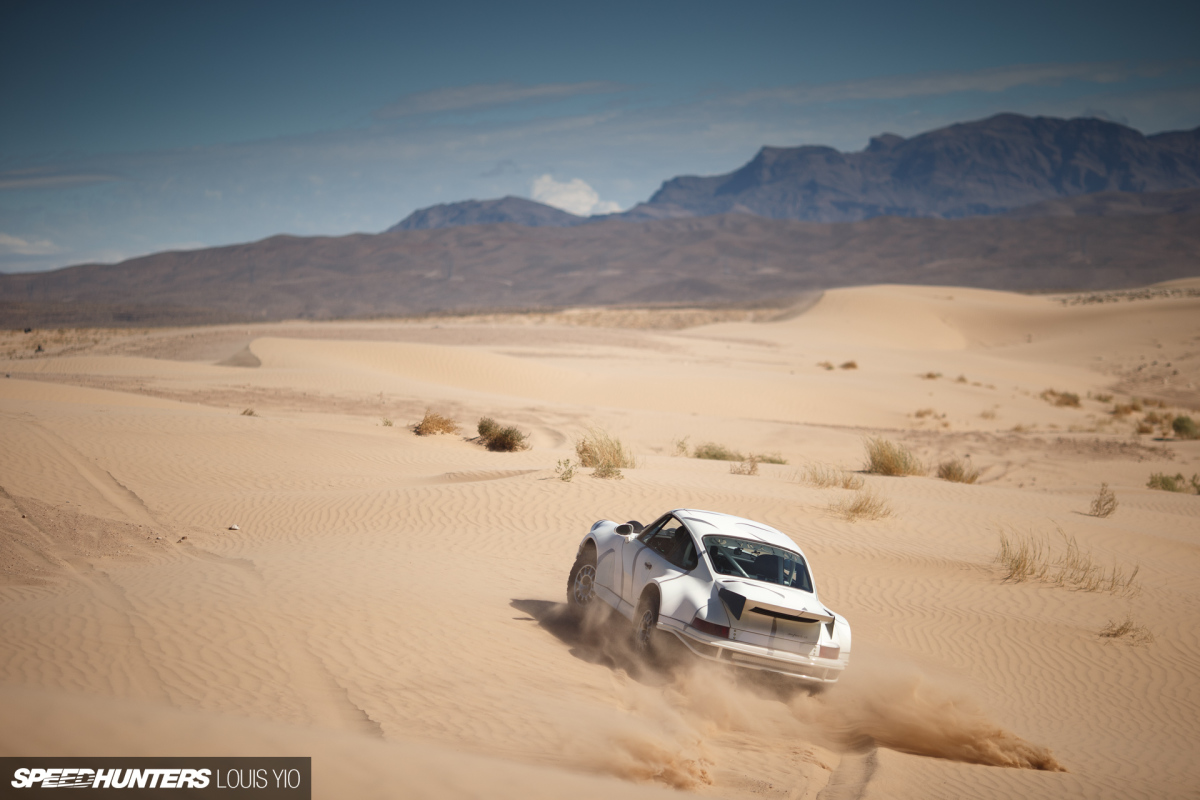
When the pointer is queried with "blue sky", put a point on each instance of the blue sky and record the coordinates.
(134, 127)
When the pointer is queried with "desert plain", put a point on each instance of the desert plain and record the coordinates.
(392, 604)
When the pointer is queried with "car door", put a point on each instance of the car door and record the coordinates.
(654, 559)
(630, 563)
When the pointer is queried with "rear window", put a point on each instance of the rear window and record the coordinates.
(742, 558)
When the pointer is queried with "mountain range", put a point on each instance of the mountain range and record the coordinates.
(1010, 202)
(985, 167)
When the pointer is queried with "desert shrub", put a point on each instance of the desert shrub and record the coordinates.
(749, 466)
(987, 414)
(1152, 417)
(1173, 483)
(957, 471)
(505, 439)
(565, 470)
(864, 504)
(501, 438)
(601, 450)
(1122, 409)
(1104, 503)
(1026, 558)
(607, 472)
(1069, 399)
(771, 458)
(826, 364)
(385, 422)
(1145, 427)
(249, 412)
(716, 452)
(849, 364)
(680, 446)
(922, 413)
(825, 476)
(433, 423)
(1104, 398)
(1185, 428)
(887, 458)
(486, 428)
(931, 376)
(961, 379)
(1137, 634)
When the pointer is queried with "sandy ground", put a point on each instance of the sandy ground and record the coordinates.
(392, 604)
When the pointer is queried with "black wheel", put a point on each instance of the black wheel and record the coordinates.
(581, 583)
(645, 623)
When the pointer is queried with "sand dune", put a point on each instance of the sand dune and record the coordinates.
(391, 604)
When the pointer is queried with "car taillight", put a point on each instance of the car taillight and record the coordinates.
(712, 629)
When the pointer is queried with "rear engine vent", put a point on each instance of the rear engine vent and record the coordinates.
(777, 615)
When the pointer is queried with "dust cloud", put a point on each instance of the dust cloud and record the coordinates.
(908, 713)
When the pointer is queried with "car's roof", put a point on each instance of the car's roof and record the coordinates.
(714, 522)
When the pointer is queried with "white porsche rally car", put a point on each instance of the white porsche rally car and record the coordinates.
(732, 590)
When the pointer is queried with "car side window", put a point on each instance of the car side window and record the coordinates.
(671, 540)
(653, 530)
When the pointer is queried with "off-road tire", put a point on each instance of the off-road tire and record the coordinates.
(581, 582)
(645, 626)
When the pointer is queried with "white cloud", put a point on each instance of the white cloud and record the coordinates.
(574, 196)
(929, 84)
(489, 95)
(41, 179)
(25, 247)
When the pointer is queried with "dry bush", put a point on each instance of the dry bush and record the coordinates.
(1122, 409)
(249, 412)
(987, 414)
(1105, 503)
(1137, 634)
(508, 439)
(771, 458)
(957, 471)
(922, 413)
(680, 446)
(849, 365)
(1185, 428)
(716, 452)
(608, 472)
(1173, 483)
(826, 364)
(1104, 398)
(565, 470)
(385, 422)
(961, 379)
(602, 451)
(1030, 558)
(1152, 417)
(1061, 398)
(887, 458)
(1145, 427)
(501, 439)
(864, 504)
(931, 376)
(433, 423)
(825, 476)
(487, 427)
(749, 466)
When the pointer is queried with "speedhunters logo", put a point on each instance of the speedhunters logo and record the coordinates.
(161, 777)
